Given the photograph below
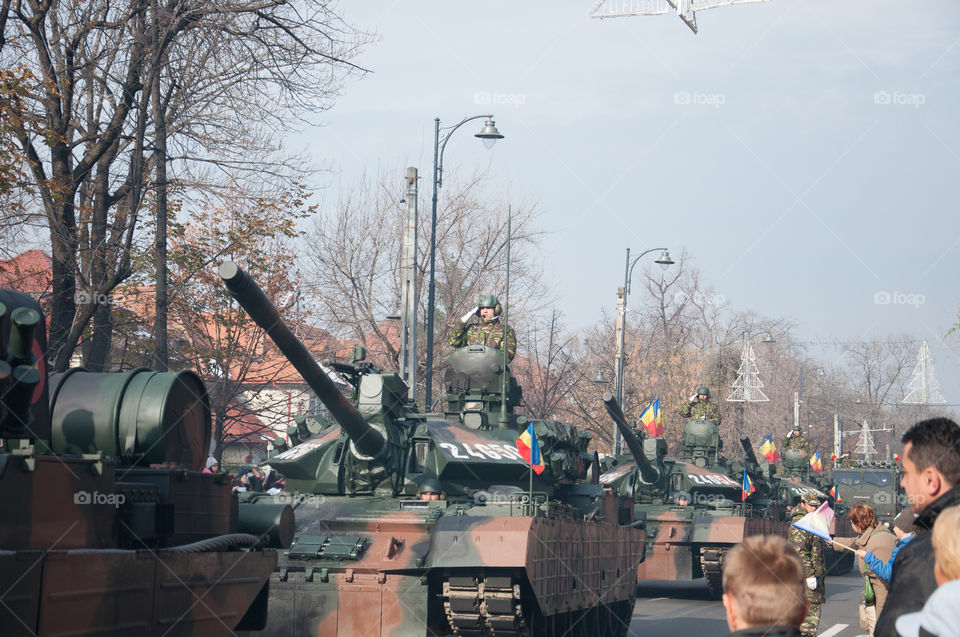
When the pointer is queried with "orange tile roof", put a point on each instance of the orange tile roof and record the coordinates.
(30, 272)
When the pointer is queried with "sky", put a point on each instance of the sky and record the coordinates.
(805, 153)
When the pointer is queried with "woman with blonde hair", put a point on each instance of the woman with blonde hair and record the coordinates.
(877, 539)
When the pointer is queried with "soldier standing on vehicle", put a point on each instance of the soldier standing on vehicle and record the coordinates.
(811, 549)
(488, 331)
(796, 440)
(700, 407)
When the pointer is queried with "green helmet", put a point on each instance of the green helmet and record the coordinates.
(704, 390)
(429, 485)
(488, 300)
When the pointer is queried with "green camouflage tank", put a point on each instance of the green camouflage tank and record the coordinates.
(694, 511)
(425, 524)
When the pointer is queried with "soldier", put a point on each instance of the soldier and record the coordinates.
(700, 407)
(811, 549)
(489, 331)
(796, 440)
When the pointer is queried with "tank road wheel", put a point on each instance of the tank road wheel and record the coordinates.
(488, 606)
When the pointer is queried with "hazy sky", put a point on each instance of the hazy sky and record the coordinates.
(804, 152)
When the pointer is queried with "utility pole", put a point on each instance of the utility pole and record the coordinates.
(408, 293)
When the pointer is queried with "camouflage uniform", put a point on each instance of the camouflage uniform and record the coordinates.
(701, 410)
(489, 333)
(811, 549)
(796, 441)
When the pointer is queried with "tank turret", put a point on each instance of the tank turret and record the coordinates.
(700, 443)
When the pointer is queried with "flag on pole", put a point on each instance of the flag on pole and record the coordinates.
(529, 449)
(815, 462)
(769, 449)
(815, 524)
(834, 492)
(747, 487)
(651, 419)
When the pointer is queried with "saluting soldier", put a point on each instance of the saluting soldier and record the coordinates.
(700, 407)
(811, 549)
(796, 440)
(488, 331)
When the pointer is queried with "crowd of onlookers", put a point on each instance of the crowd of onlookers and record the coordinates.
(260, 478)
(911, 571)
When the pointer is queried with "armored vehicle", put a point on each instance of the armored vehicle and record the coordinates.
(431, 524)
(876, 484)
(109, 527)
(694, 513)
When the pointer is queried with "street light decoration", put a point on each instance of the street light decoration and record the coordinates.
(489, 135)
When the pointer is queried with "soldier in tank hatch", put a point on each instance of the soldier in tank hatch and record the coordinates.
(796, 440)
(700, 407)
(487, 331)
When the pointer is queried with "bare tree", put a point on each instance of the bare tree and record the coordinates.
(353, 254)
(105, 73)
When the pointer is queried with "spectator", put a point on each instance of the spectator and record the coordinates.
(941, 614)
(241, 481)
(878, 540)
(212, 465)
(903, 529)
(931, 473)
(272, 481)
(763, 588)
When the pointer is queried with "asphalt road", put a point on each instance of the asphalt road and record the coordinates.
(670, 609)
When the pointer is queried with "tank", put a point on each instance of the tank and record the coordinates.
(109, 525)
(874, 483)
(434, 524)
(694, 512)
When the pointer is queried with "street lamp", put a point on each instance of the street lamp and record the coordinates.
(489, 134)
(665, 262)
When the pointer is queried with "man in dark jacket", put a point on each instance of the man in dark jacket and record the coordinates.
(763, 588)
(931, 475)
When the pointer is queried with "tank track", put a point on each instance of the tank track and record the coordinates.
(483, 607)
(497, 606)
(711, 563)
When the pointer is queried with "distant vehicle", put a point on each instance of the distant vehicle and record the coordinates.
(876, 484)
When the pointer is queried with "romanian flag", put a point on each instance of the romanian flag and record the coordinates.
(651, 418)
(769, 449)
(815, 463)
(529, 448)
(747, 487)
(896, 457)
(834, 493)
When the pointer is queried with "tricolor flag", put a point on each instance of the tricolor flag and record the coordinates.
(827, 513)
(747, 487)
(769, 449)
(834, 493)
(816, 524)
(651, 419)
(815, 463)
(529, 448)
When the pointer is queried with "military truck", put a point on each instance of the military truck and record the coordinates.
(109, 526)
(430, 524)
(694, 512)
(874, 483)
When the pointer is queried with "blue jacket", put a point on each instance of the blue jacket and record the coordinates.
(882, 570)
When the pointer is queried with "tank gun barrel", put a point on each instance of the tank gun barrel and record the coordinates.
(648, 472)
(367, 440)
(748, 450)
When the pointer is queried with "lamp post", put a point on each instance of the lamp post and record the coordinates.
(489, 134)
(665, 261)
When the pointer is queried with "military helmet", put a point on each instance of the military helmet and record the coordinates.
(488, 300)
(704, 390)
(810, 498)
(429, 485)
